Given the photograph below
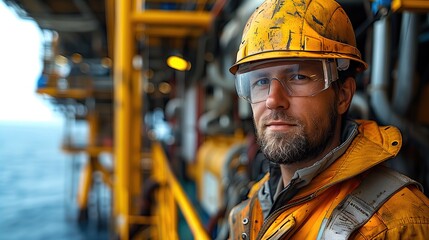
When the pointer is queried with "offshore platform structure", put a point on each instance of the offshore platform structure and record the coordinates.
(150, 80)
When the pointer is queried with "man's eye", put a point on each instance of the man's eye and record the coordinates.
(299, 79)
(261, 82)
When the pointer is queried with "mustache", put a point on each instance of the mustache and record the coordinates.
(280, 115)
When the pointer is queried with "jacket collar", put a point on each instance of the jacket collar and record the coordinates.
(364, 145)
(371, 146)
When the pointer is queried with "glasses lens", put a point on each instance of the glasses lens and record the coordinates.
(298, 78)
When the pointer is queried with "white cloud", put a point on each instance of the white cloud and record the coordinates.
(20, 67)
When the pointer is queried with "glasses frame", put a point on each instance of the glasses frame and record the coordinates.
(330, 74)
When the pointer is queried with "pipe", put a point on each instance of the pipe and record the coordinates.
(231, 35)
(379, 84)
(234, 151)
(173, 108)
(404, 90)
(216, 78)
(209, 122)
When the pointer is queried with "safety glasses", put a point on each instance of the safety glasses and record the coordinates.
(299, 78)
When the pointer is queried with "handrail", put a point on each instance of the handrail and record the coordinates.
(178, 193)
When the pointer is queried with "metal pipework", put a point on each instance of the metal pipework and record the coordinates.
(404, 90)
(379, 85)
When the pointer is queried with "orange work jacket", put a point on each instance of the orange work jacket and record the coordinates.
(405, 215)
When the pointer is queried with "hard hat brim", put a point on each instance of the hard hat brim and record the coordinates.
(361, 66)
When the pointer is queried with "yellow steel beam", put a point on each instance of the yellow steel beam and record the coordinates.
(162, 18)
(136, 141)
(77, 93)
(85, 186)
(123, 49)
(410, 5)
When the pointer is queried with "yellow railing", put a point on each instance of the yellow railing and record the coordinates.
(170, 194)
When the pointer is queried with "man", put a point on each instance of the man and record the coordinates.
(296, 66)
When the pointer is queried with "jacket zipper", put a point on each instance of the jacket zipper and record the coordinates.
(273, 216)
(270, 219)
(277, 212)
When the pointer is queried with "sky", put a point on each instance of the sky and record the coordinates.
(20, 67)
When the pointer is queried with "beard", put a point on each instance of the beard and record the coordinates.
(295, 146)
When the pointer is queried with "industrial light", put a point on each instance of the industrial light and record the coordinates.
(164, 88)
(178, 63)
(76, 58)
(149, 88)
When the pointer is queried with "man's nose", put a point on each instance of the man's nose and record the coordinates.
(277, 95)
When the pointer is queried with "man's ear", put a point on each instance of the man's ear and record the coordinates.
(345, 95)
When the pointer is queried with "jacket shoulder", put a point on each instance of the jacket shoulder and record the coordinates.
(404, 216)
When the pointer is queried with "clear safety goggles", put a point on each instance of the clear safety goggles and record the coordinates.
(299, 78)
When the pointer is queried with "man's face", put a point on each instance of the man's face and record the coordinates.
(295, 129)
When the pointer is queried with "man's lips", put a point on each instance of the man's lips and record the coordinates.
(279, 125)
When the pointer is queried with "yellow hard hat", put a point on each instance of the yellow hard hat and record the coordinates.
(298, 29)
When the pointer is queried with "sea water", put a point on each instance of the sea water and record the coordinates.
(37, 199)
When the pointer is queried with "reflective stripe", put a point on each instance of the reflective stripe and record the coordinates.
(358, 207)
